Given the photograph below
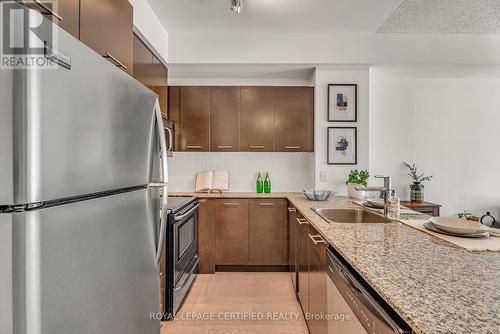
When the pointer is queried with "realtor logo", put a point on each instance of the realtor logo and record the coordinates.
(25, 37)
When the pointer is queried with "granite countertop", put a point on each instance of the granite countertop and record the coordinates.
(435, 286)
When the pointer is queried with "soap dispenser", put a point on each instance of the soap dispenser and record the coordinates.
(393, 206)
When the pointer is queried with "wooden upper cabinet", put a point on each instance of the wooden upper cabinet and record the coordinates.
(225, 119)
(291, 117)
(143, 62)
(64, 13)
(173, 113)
(69, 11)
(160, 73)
(310, 121)
(231, 231)
(257, 119)
(267, 232)
(107, 27)
(194, 118)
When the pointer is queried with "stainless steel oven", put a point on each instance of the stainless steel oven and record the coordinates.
(182, 250)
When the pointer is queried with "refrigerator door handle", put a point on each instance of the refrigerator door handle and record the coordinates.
(164, 168)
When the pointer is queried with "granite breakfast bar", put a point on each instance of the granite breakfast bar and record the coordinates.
(435, 286)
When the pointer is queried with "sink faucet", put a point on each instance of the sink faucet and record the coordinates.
(386, 189)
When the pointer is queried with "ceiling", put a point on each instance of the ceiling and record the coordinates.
(445, 16)
(274, 16)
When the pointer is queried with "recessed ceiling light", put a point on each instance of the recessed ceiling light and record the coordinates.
(236, 6)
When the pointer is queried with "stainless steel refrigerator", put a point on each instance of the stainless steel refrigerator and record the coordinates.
(81, 169)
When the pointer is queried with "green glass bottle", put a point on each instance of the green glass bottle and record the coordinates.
(267, 184)
(260, 184)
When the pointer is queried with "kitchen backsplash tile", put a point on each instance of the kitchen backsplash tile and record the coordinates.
(288, 171)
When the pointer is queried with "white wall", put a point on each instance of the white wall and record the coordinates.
(333, 48)
(447, 120)
(146, 21)
(337, 175)
(288, 171)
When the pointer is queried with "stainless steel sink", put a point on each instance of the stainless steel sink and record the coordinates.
(359, 216)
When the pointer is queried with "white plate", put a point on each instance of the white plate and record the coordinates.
(480, 234)
(377, 202)
(455, 225)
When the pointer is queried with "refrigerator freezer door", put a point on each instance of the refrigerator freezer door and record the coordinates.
(87, 267)
(75, 131)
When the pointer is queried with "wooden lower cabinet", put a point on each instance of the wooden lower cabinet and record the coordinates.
(206, 236)
(267, 227)
(318, 279)
(303, 261)
(292, 244)
(231, 231)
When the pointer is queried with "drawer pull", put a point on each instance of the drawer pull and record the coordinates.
(224, 147)
(302, 221)
(317, 239)
(257, 147)
(114, 61)
(48, 10)
(231, 204)
(292, 147)
(266, 204)
(194, 147)
(292, 210)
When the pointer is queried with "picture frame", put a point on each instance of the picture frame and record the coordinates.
(342, 146)
(342, 103)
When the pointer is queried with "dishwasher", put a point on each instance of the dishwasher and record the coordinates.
(353, 306)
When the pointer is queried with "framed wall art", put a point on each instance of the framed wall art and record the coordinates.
(342, 146)
(342, 103)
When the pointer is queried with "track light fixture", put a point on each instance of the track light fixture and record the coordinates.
(236, 6)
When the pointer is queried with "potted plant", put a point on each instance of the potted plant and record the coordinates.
(417, 188)
(355, 180)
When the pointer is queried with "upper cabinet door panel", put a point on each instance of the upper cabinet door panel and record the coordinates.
(107, 27)
(143, 61)
(291, 117)
(194, 110)
(310, 123)
(225, 119)
(69, 10)
(160, 73)
(257, 119)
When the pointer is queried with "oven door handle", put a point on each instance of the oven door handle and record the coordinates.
(186, 279)
(187, 214)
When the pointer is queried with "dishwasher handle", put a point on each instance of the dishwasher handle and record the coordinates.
(371, 314)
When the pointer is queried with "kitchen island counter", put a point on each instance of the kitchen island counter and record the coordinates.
(435, 286)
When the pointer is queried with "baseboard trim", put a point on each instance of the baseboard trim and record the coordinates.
(251, 268)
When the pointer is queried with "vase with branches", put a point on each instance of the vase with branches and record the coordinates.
(417, 188)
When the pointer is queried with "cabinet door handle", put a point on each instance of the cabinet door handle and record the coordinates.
(292, 147)
(224, 147)
(292, 210)
(231, 204)
(114, 61)
(194, 147)
(47, 9)
(302, 221)
(317, 239)
(266, 204)
(257, 147)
